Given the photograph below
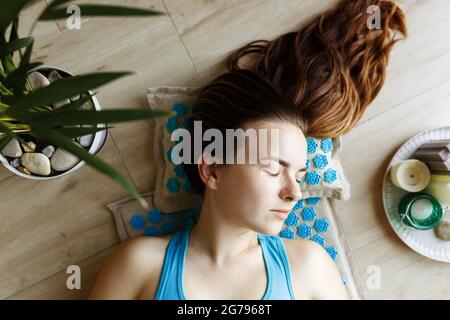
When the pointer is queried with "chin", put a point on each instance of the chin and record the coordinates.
(272, 229)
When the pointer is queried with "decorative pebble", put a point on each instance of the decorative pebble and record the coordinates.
(48, 151)
(298, 205)
(52, 77)
(86, 140)
(321, 225)
(151, 231)
(37, 80)
(154, 216)
(308, 214)
(16, 163)
(75, 98)
(169, 155)
(287, 233)
(173, 185)
(179, 108)
(29, 146)
(318, 239)
(61, 103)
(304, 231)
(63, 160)
(187, 186)
(308, 164)
(332, 252)
(443, 229)
(171, 124)
(179, 171)
(313, 201)
(320, 161)
(292, 219)
(37, 163)
(12, 149)
(330, 176)
(24, 170)
(326, 145)
(137, 221)
(313, 178)
(311, 144)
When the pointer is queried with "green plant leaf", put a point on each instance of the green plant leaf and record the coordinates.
(78, 131)
(53, 119)
(14, 45)
(4, 141)
(61, 89)
(54, 13)
(18, 78)
(56, 3)
(60, 140)
(27, 56)
(9, 9)
(74, 105)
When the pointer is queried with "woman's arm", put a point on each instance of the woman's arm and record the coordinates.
(328, 282)
(122, 275)
(314, 273)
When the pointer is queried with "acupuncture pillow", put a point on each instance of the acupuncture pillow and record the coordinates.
(173, 190)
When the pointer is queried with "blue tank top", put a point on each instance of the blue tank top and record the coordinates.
(279, 284)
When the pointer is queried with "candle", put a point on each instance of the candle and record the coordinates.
(439, 187)
(421, 209)
(411, 175)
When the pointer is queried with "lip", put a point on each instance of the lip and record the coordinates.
(282, 213)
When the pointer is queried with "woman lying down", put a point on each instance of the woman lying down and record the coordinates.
(316, 82)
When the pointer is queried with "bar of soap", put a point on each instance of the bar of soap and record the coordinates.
(421, 209)
(444, 143)
(438, 165)
(433, 154)
(443, 229)
(436, 150)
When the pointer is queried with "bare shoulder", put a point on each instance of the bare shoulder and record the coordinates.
(134, 266)
(314, 273)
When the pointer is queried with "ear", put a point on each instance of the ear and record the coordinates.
(207, 170)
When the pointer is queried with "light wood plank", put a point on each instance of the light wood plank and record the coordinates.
(47, 225)
(368, 149)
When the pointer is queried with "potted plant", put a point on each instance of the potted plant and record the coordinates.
(50, 121)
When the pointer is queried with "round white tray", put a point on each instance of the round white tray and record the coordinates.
(424, 242)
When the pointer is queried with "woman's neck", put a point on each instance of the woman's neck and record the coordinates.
(217, 237)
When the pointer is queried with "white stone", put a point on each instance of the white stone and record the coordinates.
(12, 149)
(29, 146)
(16, 163)
(53, 76)
(87, 140)
(37, 163)
(59, 104)
(48, 151)
(37, 80)
(63, 160)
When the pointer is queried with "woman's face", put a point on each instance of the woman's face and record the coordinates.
(249, 193)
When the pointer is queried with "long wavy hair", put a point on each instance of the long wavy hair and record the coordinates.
(321, 78)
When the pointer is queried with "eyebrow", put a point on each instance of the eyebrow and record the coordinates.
(284, 162)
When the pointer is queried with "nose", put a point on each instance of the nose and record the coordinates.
(291, 192)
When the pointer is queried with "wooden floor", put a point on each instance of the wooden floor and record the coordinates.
(47, 226)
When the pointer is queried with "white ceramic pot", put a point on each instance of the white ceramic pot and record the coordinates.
(98, 143)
